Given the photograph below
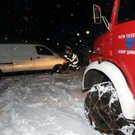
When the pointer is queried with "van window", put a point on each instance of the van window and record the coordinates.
(43, 51)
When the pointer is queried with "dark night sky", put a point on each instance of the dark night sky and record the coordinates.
(54, 23)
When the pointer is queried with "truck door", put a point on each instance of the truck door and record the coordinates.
(23, 58)
(123, 36)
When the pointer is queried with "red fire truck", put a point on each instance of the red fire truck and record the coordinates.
(110, 75)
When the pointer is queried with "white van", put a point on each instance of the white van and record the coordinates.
(28, 57)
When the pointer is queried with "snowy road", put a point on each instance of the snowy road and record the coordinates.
(43, 104)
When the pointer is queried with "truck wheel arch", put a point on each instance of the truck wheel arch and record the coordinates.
(111, 71)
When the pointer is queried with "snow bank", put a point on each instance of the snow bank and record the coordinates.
(43, 104)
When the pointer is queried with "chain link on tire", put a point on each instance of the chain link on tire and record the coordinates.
(104, 111)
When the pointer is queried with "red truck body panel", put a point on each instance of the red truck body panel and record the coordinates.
(118, 46)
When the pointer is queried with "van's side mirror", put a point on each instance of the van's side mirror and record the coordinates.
(97, 14)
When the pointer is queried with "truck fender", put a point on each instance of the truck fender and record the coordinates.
(126, 99)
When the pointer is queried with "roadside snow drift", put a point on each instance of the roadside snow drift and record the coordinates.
(43, 104)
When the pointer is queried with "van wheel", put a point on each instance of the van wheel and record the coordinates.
(58, 69)
(103, 110)
(0, 74)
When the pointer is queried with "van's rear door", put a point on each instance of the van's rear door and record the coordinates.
(23, 57)
(6, 63)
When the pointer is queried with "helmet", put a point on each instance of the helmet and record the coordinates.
(67, 51)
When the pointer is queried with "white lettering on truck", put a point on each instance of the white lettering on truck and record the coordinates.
(127, 52)
(123, 36)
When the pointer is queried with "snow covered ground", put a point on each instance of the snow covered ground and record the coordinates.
(43, 104)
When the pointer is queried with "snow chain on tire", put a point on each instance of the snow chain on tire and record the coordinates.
(104, 112)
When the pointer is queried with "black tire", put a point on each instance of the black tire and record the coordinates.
(0, 74)
(104, 112)
(58, 69)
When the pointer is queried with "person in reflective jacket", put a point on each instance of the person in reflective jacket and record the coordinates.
(72, 59)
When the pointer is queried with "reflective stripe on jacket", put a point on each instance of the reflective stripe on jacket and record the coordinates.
(74, 59)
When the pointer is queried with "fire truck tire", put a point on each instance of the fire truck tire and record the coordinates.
(102, 108)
